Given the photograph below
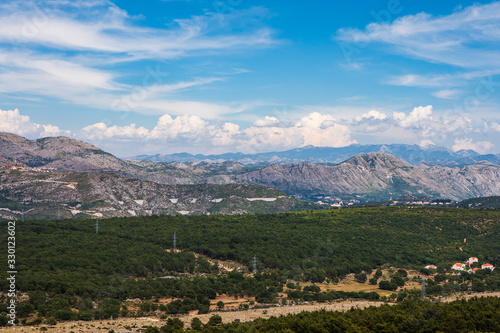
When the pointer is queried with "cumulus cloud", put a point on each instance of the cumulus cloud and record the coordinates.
(481, 147)
(101, 131)
(315, 129)
(370, 115)
(426, 143)
(418, 117)
(12, 121)
(267, 133)
(421, 119)
(267, 121)
(494, 126)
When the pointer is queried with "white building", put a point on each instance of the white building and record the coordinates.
(472, 260)
(488, 266)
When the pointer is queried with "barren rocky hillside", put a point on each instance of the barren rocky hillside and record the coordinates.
(79, 195)
(379, 176)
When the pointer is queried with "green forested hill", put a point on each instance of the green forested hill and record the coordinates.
(482, 202)
(312, 245)
(129, 255)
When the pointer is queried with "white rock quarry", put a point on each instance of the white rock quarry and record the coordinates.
(262, 199)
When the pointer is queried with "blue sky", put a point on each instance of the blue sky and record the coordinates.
(251, 76)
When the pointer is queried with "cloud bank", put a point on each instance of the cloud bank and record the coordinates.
(191, 132)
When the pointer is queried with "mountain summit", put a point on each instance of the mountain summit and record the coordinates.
(57, 152)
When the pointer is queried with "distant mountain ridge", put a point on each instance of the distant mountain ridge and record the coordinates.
(414, 154)
(378, 176)
(92, 194)
(368, 177)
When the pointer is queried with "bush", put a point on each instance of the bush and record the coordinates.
(398, 281)
(215, 320)
(387, 285)
(440, 278)
(312, 289)
(196, 324)
(402, 273)
(361, 277)
(85, 315)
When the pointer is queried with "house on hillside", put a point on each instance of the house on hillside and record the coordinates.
(488, 266)
(458, 266)
(472, 260)
(431, 267)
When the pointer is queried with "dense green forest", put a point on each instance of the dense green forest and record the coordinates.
(483, 202)
(73, 265)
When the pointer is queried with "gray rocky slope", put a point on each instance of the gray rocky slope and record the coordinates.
(366, 177)
(377, 176)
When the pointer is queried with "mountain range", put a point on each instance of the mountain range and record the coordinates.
(42, 194)
(414, 154)
(377, 176)
(83, 180)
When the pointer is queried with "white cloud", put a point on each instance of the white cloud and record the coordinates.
(426, 143)
(459, 39)
(370, 116)
(69, 50)
(12, 121)
(266, 122)
(447, 93)
(100, 131)
(105, 28)
(422, 120)
(314, 129)
(494, 126)
(418, 117)
(481, 147)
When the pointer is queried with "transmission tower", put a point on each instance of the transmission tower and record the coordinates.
(254, 264)
(97, 226)
(22, 216)
(423, 287)
(58, 213)
(175, 241)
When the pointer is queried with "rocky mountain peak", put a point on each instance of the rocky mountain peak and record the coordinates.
(377, 161)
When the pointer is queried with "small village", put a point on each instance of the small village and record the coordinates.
(21, 167)
(470, 266)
